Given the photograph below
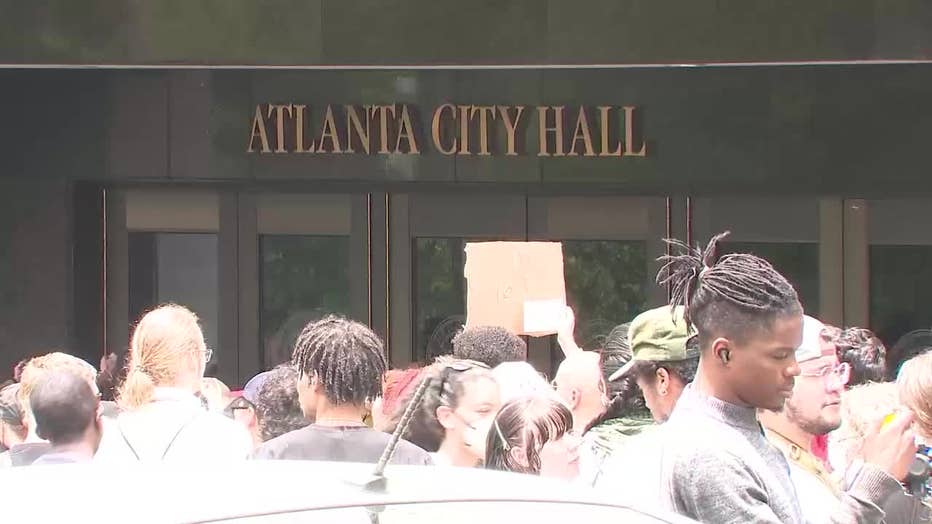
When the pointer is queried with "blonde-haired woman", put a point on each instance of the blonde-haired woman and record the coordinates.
(915, 387)
(161, 417)
(862, 408)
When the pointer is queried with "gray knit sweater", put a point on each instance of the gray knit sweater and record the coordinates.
(718, 467)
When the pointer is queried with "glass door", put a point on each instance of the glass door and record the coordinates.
(609, 245)
(163, 246)
(255, 267)
(801, 236)
(312, 258)
(428, 292)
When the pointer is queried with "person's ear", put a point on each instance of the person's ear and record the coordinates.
(316, 385)
(721, 351)
(445, 417)
(518, 456)
(575, 397)
(663, 382)
(306, 384)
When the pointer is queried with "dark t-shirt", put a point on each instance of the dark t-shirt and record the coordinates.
(26, 454)
(339, 444)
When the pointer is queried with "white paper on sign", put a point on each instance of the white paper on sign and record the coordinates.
(543, 316)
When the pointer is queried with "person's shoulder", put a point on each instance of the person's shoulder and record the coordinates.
(217, 421)
(274, 448)
(408, 453)
(611, 435)
(700, 446)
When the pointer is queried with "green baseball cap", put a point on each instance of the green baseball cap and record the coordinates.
(658, 335)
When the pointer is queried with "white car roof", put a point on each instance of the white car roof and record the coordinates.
(202, 493)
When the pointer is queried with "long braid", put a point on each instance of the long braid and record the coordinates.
(345, 356)
(700, 278)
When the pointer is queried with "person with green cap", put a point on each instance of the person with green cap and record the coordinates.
(665, 358)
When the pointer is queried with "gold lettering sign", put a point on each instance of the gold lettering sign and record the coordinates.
(455, 129)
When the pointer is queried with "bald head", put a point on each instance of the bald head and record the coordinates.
(580, 384)
(64, 407)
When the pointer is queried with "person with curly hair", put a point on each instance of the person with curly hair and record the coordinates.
(278, 410)
(492, 345)
(864, 352)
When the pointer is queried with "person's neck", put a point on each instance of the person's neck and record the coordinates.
(188, 385)
(31, 436)
(344, 415)
(706, 384)
(14, 439)
(777, 423)
(81, 448)
(457, 454)
(584, 415)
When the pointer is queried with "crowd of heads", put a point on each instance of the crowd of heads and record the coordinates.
(732, 320)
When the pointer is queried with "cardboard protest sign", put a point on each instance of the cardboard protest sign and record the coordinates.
(515, 285)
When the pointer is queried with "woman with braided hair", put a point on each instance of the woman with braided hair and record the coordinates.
(716, 464)
(340, 366)
(456, 412)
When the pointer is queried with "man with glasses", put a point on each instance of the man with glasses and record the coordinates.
(813, 409)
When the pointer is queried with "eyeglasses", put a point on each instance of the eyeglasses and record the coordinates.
(208, 353)
(841, 372)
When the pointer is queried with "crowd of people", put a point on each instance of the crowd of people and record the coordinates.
(729, 404)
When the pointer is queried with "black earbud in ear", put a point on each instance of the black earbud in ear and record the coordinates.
(725, 355)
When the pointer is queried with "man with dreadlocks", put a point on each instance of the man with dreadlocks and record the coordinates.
(716, 464)
(340, 367)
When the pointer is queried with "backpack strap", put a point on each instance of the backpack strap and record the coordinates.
(170, 442)
(183, 426)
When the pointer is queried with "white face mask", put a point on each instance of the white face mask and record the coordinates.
(476, 434)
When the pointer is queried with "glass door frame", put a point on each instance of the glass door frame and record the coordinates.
(236, 220)
(504, 215)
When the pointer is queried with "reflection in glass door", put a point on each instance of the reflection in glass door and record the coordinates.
(606, 246)
(610, 246)
(899, 263)
(303, 278)
(165, 248)
(605, 285)
(254, 267)
(800, 236)
(312, 256)
(428, 291)
(440, 294)
(175, 267)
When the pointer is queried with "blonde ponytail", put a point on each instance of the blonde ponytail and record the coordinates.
(137, 389)
(166, 342)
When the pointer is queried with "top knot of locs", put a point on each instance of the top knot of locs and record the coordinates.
(699, 276)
